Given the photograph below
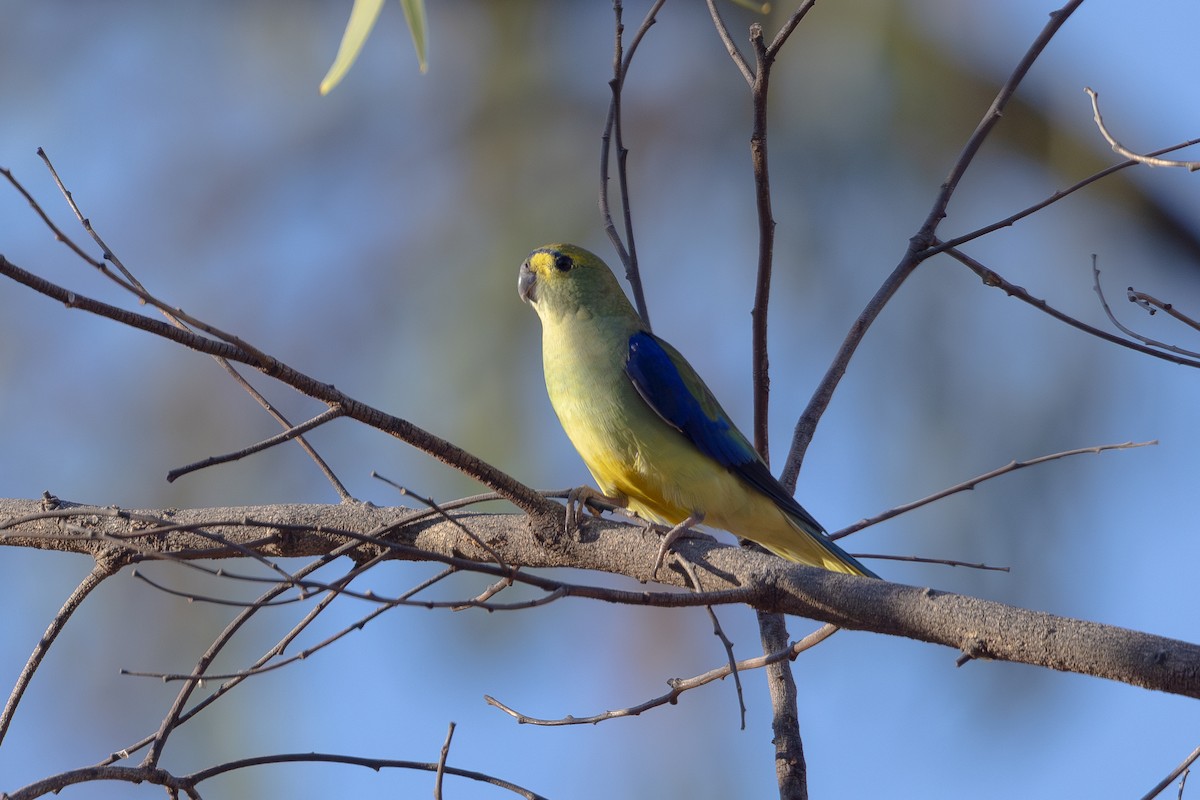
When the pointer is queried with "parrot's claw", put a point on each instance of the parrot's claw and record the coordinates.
(672, 535)
(580, 498)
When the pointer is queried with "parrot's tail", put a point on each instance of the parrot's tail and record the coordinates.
(815, 549)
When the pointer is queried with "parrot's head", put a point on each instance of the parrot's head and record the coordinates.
(562, 279)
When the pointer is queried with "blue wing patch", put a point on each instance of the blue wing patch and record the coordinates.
(657, 379)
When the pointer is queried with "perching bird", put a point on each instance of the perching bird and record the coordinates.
(648, 429)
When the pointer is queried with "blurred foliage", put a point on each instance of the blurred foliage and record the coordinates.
(363, 15)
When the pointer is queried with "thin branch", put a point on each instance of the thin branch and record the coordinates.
(441, 764)
(433, 506)
(759, 359)
(130, 775)
(187, 783)
(992, 117)
(788, 27)
(1151, 303)
(739, 60)
(806, 426)
(612, 126)
(383, 603)
(178, 321)
(102, 569)
(337, 589)
(1175, 773)
(371, 763)
(49, 223)
(512, 490)
(331, 413)
(230, 683)
(678, 685)
(1119, 149)
(176, 715)
(971, 483)
(1049, 201)
(719, 632)
(265, 664)
(946, 562)
(1146, 340)
(994, 279)
(342, 492)
(130, 284)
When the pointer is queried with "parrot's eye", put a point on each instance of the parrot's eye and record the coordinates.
(563, 262)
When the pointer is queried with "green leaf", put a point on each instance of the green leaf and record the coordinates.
(760, 8)
(362, 19)
(414, 14)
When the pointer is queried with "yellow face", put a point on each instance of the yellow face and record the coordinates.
(548, 265)
(562, 280)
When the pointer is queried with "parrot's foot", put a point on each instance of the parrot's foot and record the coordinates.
(583, 497)
(672, 535)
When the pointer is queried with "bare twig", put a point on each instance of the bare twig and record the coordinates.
(719, 632)
(759, 359)
(1146, 340)
(102, 569)
(175, 716)
(188, 783)
(1119, 149)
(806, 426)
(1049, 201)
(612, 127)
(992, 278)
(1182, 769)
(265, 663)
(130, 284)
(678, 685)
(947, 562)
(790, 25)
(1151, 303)
(179, 321)
(512, 490)
(971, 483)
(441, 512)
(441, 764)
(739, 60)
(331, 413)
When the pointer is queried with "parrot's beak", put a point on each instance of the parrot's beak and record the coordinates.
(526, 283)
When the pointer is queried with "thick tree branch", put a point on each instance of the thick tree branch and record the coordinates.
(970, 625)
